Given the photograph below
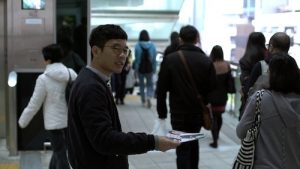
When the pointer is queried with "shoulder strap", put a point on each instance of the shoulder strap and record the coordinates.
(264, 67)
(190, 76)
(259, 95)
(70, 78)
(142, 46)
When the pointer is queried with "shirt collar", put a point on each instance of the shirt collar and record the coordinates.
(99, 73)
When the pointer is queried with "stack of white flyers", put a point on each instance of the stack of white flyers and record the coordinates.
(183, 136)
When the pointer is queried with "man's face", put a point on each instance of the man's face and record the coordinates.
(112, 57)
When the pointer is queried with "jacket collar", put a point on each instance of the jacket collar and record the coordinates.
(190, 47)
(99, 73)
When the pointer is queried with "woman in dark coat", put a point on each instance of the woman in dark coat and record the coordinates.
(255, 51)
(173, 47)
(218, 97)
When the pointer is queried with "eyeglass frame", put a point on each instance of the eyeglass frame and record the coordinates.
(119, 50)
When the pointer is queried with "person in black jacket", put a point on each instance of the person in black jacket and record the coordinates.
(80, 39)
(70, 58)
(174, 38)
(280, 42)
(185, 110)
(95, 138)
(120, 82)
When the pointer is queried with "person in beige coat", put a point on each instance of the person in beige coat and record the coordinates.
(49, 91)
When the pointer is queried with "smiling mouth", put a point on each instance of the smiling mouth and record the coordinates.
(120, 63)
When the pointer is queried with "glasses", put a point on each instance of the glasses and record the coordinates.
(119, 50)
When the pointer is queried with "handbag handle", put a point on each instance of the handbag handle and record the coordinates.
(190, 77)
(257, 118)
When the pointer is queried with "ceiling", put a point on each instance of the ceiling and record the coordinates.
(158, 17)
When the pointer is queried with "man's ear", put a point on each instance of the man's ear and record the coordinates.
(95, 50)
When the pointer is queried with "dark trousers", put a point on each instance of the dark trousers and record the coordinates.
(188, 155)
(120, 81)
(217, 124)
(58, 143)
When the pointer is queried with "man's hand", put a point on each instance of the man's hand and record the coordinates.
(165, 143)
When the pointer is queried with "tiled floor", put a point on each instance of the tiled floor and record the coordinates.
(135, 117)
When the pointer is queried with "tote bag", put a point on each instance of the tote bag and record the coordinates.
(245, 156)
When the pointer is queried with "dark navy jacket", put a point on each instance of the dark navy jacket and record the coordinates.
(95, 139)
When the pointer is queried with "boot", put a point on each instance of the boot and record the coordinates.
(214, 144)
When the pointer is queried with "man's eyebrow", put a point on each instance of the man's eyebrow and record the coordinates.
(119, 45)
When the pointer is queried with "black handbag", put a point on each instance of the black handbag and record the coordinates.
(245, 156)
(68, 87)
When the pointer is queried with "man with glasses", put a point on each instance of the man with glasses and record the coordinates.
(279, 42)
(95, 138)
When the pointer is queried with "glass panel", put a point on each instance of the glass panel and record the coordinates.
(157, 30)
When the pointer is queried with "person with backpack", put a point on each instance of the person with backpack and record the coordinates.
(145, 65)
(49, 91)
(259, 77)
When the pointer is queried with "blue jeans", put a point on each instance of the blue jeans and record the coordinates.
(59, 158)
(149, 86)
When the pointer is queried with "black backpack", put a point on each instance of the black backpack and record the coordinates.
(68, 87)
(145, 65)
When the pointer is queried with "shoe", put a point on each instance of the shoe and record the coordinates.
(213, 145)
(122, 102)
(148, 103)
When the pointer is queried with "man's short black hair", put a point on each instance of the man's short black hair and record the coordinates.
(188, 34)
(281, 41)
(103, 33)
(52, 52)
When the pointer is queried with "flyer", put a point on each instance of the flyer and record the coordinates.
(183, 136)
